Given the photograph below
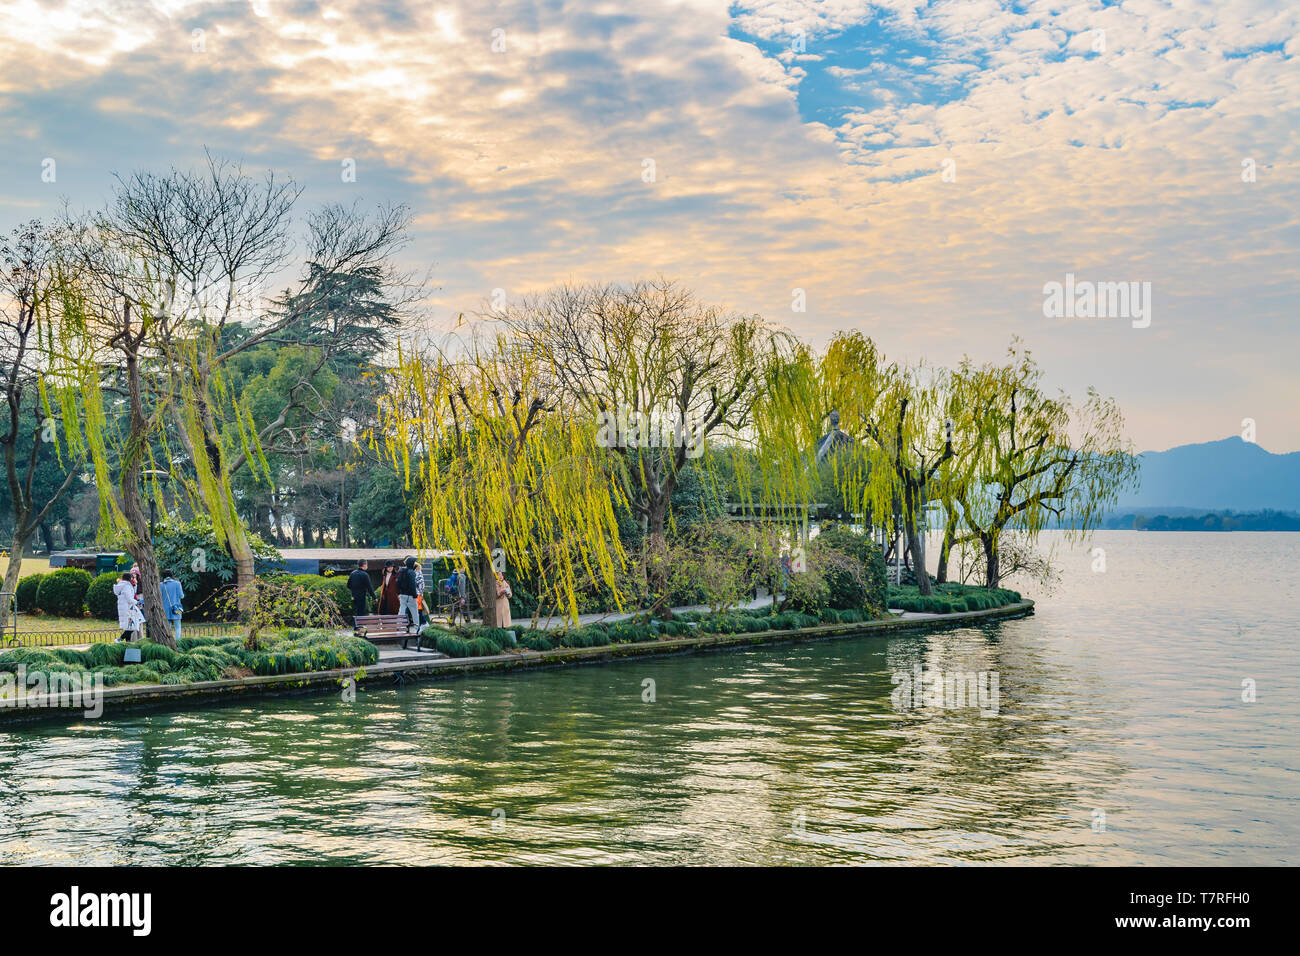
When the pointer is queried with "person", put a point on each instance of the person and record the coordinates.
(360, 586)
(388, 589)
(457, 587)
(172, 596)
(407, 590)
(503, 600)
(129, 618)
(419, 577)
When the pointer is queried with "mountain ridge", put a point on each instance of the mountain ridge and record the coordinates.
(1227, 474)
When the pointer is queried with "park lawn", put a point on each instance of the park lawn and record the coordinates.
(29, 623)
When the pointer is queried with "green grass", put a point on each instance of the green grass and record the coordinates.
(200, 658)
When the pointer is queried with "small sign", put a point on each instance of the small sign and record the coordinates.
(132, 656)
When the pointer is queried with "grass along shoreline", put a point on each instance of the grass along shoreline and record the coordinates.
(387, 673)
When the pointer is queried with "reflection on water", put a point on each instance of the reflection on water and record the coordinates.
(1120, 704)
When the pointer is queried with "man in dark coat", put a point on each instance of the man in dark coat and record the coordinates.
(360, 585)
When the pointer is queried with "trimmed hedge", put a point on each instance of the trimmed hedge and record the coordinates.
(100, 599)
(25, 593)
(950, 598)
(63, 592)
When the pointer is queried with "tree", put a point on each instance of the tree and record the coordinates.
(209, 239)
(38, 479)
(1035, 458)
(109, 327)
(658, 373)
(872, 432)
(499, 471)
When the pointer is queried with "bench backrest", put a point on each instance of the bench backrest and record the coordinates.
(379, 620)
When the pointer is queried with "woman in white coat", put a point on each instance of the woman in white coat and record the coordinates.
(129, 618)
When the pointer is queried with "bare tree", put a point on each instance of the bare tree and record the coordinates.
(662, 370)
(213, 238)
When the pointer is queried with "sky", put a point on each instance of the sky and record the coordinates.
(920, 171)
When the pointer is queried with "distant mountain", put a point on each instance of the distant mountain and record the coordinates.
(1227, 474)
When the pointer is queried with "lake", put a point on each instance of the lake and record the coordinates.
(1120, 737)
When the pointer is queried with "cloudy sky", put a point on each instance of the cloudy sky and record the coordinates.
(919, 170)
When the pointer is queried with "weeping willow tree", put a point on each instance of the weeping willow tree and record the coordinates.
(503, 476)
(104, 350)
(870, 432)
(1035, 458)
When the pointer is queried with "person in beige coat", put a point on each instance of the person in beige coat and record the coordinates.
(503, 601)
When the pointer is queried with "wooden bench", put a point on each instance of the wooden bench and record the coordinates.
(386, 628)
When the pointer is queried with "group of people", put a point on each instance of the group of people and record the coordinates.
(130, 603)
(401, 591)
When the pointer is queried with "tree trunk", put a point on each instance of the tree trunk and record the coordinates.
(916, 544)
(12, 574)
(949, 532)
(488, 584)
(991, 573)
(67, 533)
(241, 550)
(48, 537)
(344, 531)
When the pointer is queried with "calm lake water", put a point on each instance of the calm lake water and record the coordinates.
(1121, 697)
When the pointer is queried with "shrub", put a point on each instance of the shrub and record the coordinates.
(280, 603)
(868, 556)
(451, 645)
(483, 647)
(497, 635)
(100, 599)
(25, 593)
(537, 641)
(430, 634)
(176, 545)
(63, 592)
(807, 590)
(630, 632)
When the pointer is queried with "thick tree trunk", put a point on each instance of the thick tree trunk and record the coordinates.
(48, 537)
(241, 550)
(488, 584)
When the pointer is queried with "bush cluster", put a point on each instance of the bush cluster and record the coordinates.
(63, 592)
(25, 593)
